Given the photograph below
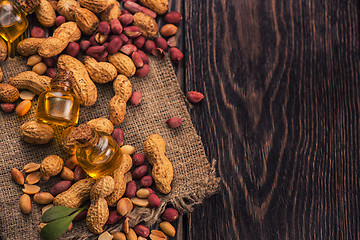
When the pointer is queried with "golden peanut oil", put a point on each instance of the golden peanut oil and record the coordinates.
(13, 21)
(100, 159)
(58, 105)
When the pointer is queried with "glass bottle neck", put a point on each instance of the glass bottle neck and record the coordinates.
(26, 6)
(91, 142)
(61, 88)
(17, 6)
(57, 84)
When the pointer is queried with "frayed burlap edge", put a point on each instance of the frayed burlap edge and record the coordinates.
(194, 178)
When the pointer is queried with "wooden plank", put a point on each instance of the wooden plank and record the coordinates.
(280, 114)
(180, 37)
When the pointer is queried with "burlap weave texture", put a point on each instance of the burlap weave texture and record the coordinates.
(194, 178)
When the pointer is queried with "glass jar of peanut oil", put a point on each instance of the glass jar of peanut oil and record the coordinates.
(58, 105)
(97, 152)
(13, 21)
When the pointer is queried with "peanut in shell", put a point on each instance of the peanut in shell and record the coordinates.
(51, 166)
(86, 20)
(123, 64)
(36, 132)
(147, 25)
(159, 6)
(8, 93)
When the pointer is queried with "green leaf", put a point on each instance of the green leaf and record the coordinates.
(55, 229)
(57, 212)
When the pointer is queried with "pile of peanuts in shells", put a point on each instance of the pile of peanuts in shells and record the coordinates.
(115, 38)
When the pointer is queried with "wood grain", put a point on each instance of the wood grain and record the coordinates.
(280, 114)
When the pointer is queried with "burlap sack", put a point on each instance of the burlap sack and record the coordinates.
(194, 178)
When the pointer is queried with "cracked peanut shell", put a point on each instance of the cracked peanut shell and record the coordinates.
(112, 11)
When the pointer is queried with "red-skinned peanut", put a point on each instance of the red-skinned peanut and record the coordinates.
(146, 181)
(143, 71)
(138, 159)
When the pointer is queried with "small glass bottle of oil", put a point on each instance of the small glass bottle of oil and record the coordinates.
(97, 152)
(13, 21)
(58, 105)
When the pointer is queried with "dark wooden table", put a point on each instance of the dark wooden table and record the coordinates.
(280, 115)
